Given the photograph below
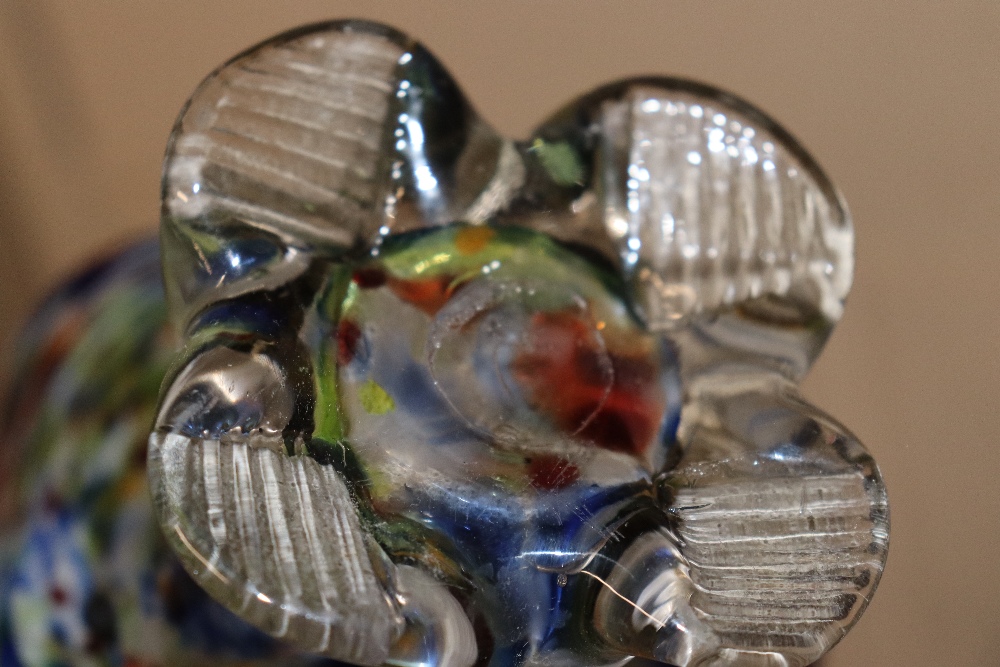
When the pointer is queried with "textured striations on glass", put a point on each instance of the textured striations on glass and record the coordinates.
(286, 140)
(783, 517)
(445, 398)
(287, 525)
(713, 210)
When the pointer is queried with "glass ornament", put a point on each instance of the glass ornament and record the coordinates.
(432, 396)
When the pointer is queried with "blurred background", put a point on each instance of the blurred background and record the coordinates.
(899, 102)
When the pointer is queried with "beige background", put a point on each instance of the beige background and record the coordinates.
(899, 102)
